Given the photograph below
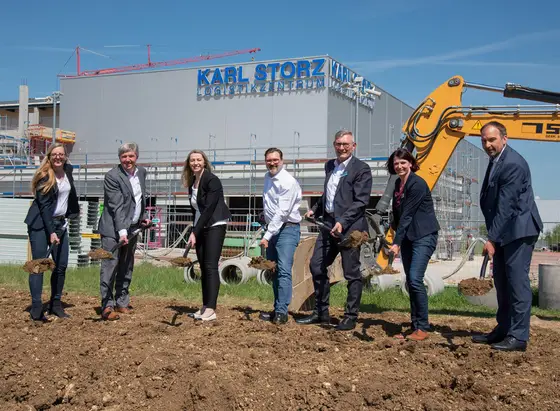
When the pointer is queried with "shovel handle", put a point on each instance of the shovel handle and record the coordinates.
(484, 265)
(130, 237)
(50, 247)
(322, 225)
(187, 249)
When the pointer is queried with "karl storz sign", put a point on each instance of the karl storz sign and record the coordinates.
(266, 78)
(340, 75)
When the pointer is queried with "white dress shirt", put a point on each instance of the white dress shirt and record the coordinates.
(337, 174)
(281, 201)
(63, 194)
(495, 161)
(137, 191)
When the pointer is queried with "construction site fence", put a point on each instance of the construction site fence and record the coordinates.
(244, 231)
(243, 235)
(168, 151)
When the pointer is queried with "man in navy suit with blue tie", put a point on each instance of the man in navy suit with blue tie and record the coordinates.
(342, 206)
(513, 223)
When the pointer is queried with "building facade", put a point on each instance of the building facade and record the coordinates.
(231, 109)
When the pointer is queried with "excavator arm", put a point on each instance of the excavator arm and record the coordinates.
(438, 124)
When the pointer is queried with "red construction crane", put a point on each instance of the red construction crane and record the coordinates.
(153, 64)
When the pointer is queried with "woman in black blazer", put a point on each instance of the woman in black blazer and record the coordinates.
(416, 234)
(209, 228)
(55, 201)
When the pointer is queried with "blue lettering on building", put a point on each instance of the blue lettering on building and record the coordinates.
(271, 77)
(340, 75)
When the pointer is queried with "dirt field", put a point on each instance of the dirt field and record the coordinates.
(159, 359)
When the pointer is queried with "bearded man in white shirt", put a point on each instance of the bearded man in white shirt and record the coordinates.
(281, 201)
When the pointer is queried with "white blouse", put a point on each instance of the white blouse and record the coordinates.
(63, 193)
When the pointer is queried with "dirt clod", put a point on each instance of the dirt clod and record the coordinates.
(100, 254)
(260, 263)
(475, 286)
(389, 270)
(181, 261)
(356, 238)
(39, 266)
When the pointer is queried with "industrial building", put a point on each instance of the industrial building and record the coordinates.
(233, 112)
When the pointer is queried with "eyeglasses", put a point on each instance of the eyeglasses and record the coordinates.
(345, 145)
(58, 155)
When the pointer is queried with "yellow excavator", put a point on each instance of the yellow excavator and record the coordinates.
(432, 132)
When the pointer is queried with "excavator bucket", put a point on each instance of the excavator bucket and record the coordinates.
(303, 298)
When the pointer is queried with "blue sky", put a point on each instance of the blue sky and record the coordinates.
(406, 47)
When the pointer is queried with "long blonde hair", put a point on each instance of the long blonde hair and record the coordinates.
(46, 169)
(188, 173)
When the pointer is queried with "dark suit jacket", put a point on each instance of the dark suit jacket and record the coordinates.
(352, 195)
(415, 217)
(507, 200)
(210, 201)
(118, 201)
(40, 214)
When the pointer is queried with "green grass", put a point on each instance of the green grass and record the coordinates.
(154, 281)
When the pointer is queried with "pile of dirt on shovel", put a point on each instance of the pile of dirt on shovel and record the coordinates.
(389, 270)
(357, 238)
(39, 266)
(181, 261)
(475, 286)
(100, 254)
(261, 263)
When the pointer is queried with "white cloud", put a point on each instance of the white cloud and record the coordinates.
(381, 65)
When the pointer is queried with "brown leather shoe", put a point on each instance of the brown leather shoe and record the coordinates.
(124, 310)
(109, 315)
(418, 335)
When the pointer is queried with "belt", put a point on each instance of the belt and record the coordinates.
(59, 218)
(288, 224)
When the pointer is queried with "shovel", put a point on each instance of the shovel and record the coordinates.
(101, 254)
(40, 265)
(183, 261)
(344, 241)
(389, 268)
(484, 266)
(473, 288)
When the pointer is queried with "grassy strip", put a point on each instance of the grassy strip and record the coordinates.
(165, 282)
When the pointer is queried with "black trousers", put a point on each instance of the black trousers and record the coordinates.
(208, 251)
(326, 250)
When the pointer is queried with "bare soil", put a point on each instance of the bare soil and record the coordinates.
(475, 286)
(159, 359)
